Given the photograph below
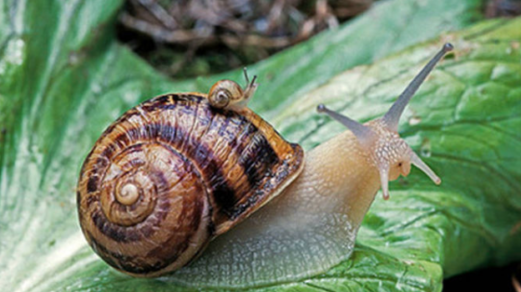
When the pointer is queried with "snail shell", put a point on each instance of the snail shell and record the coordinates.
(223, 92)
(173, 173)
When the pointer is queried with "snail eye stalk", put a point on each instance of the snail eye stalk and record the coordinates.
(392, 117)
(363, 133)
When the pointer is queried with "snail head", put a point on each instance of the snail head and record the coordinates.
(380, 140)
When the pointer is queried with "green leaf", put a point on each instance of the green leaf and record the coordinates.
(63, 79)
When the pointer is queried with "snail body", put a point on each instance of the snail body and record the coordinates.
(307, 229)
(179, 162)
(312, 225)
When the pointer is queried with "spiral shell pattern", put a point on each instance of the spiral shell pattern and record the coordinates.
(173, 173)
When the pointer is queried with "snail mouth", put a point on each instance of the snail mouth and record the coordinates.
(405, 168)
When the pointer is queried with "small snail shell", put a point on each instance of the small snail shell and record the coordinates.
(309, 225)
(228, 94)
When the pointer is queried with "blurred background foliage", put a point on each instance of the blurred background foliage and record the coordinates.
(184, 39)
(189, 38)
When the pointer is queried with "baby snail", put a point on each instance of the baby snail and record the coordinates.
(175, 172)
(228, 94)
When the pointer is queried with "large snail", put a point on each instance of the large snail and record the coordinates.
(177, 171)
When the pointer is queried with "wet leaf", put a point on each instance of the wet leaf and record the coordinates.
(63, 79)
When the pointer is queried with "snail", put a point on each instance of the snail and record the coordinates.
(181, 174)
(228, 94)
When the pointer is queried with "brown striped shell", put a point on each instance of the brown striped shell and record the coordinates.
(173, 173)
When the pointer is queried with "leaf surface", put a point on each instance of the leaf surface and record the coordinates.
(63, 79)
